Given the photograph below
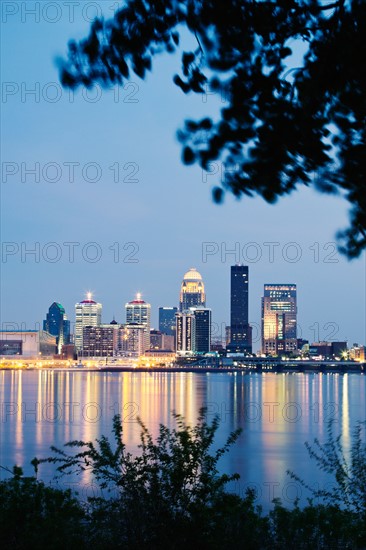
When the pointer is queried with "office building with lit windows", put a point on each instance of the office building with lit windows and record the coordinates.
(139, 312)
(185, 333)
(202, 330)
(279, 318)
(88, 313)
(99, 341)
(194, 331)
(240, 330)
(192, 291)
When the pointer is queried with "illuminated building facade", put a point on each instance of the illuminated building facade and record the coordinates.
(240, 331)
(138, 311)
(99, 341)
(56, 323)
(192, 291)
(279, 318)
(357, 353)
(185, 333)
(194, 331)
(88, 313)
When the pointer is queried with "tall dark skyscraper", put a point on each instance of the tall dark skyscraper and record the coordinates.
(167, 321)
(279, 312)
(202, 330)
(56, 323)
(241, 336)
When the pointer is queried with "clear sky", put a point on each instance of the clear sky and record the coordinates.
(109, 182)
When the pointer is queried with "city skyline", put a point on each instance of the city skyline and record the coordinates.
(312, 333)
(109, 157)
(218, 331)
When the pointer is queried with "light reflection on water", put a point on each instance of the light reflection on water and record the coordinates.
(277, 413)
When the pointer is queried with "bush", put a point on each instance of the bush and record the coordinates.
(33, 515)
(171, 496)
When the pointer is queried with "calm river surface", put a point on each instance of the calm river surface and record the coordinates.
(277, 412)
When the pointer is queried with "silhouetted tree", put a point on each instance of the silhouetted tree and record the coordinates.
(279, 127)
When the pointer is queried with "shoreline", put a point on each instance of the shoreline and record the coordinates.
(324, 369)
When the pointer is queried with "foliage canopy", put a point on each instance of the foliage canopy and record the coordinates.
(280, 127)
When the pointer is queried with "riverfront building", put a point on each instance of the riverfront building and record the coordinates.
(88, 313)
(27, 343)
(185, 333)
(167, 320)
(194, 331)
(279, 318)
(99, 341)
(192, 291)
(202, 330)
(139, 312)
(57, 324)
(240, 331)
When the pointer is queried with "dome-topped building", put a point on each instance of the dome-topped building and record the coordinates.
(192, 291)
(192, 275)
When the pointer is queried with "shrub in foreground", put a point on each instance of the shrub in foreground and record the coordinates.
(172, 496)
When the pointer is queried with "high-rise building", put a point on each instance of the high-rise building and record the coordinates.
(185, 333)
(167, 323)
(99, 341)
(138, 311)
(56, 323)
(194, 331)
(279, 317)
(202, 330)
(192, 291)
(88, 313)
(240, 331)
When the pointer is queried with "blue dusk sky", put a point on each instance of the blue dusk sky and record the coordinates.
(109, 207)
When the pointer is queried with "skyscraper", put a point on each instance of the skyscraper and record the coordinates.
(56, 323)
(138, 311)
(192, 291)
(167, 320)
(185, 333)
(240, 331)
(87, 313)
(202, 330)
(194, 331)
(279, 317)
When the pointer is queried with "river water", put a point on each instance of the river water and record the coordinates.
(277, 414)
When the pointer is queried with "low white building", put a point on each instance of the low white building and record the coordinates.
(27, 343)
